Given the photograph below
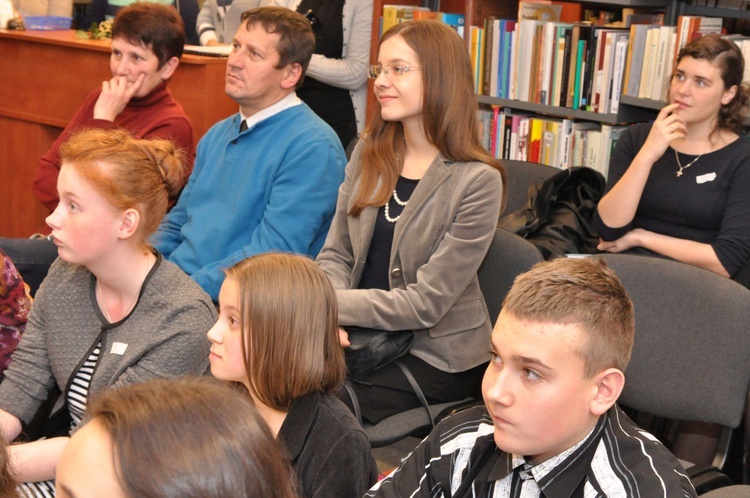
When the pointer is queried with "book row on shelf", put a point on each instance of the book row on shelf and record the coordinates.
(556, 142)
(394, 14)
(550, 58)
(580, 66)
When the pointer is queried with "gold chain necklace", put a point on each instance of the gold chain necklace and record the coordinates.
(677, 156)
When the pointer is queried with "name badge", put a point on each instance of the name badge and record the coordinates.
(708, 177)
(118, 348)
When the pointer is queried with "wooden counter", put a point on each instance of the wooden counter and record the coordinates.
(45, 77)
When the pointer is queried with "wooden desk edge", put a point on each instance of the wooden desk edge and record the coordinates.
(67, 38)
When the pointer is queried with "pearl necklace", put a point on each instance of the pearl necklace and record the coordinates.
(388, 211)
(677, 156)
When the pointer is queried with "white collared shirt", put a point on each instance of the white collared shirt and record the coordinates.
(290, 100)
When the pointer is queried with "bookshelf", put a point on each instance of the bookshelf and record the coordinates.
(631, 109)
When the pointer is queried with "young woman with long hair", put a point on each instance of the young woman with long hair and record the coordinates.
(414, 220)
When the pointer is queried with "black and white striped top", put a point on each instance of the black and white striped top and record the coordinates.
(79, 388)
(77, 400)
(459, 459)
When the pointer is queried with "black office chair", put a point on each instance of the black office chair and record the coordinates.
(691, 358)
(521, 175)
(740, 491)
(509, 256)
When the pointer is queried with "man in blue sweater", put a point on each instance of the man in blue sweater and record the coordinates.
(267, 178)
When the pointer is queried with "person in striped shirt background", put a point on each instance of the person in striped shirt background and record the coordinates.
(550, 425)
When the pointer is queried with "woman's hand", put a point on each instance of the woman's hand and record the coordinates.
(627, 241)
(116, 93)
(667, 128)
(344, 338)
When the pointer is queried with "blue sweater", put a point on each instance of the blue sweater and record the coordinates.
(271, 188)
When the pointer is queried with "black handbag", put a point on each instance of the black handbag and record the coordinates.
(371, 349)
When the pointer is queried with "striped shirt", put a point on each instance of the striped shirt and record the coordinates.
(78, 396)
(459, 459)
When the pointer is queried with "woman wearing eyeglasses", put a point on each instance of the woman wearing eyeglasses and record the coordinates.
(414, 219)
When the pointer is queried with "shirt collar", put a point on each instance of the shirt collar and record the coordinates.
(298, 423)
(290, 100)
(561, 474)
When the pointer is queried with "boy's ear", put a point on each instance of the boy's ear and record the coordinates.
(609, 384)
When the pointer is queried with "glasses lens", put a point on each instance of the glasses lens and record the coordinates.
(375, 70)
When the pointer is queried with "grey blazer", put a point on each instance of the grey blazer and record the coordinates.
(439, 242)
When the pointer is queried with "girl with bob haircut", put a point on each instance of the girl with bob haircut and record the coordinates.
(680, 187)
(170, 438)
(111, 311)
(415, 217)
(277, 336)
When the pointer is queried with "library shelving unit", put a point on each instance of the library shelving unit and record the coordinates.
(475, 11)
(632, 109)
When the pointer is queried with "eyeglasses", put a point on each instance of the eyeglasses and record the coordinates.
(398, 69)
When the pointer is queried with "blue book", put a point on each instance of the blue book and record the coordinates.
(507, 28)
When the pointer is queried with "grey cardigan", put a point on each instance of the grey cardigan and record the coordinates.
(164, 336)
(439, 242)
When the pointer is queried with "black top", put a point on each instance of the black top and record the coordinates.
(333, 105)
(375, 272)
(327, 447)
(709, 203)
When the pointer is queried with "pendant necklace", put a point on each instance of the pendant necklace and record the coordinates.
(677, 156)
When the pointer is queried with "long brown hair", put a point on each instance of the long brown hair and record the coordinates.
(449, 113)
(290, 334)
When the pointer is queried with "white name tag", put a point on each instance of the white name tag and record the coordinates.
(708, 177)
(118, 348)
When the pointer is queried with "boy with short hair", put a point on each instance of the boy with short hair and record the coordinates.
(550, 425)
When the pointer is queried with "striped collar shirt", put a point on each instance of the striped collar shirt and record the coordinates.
(459, 459)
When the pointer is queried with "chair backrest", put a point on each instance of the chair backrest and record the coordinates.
(509, 256)
(521, 175)
(691, 358)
